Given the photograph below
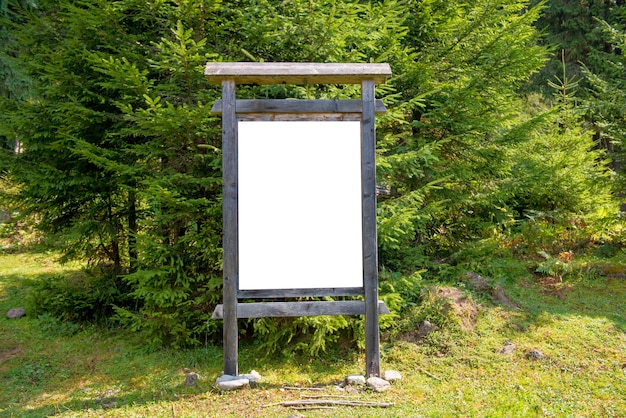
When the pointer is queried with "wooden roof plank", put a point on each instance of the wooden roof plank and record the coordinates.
(296, 72)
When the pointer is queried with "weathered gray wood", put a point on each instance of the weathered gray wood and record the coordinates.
(307, 308)
(230, 234)
(296, 117)
(299, 73)
(307, 404)
(370, 251)
(299, 293)
(298, 106)
(295, 72)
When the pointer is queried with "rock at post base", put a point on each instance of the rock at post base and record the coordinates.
(391, 375)
(355, 379)
(254, 377)
(228, 382)
(378, 384)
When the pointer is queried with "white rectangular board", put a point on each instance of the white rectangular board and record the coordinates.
(300, 214)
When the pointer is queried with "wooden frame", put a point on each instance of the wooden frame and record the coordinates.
(232, 111)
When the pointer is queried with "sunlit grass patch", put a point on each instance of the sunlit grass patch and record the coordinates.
(66, 369)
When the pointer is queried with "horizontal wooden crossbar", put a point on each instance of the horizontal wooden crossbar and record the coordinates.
(298, 106)
(296, 72)
(299, 293)
(308, 308)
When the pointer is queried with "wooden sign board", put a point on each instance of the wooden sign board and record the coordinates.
(299, 199)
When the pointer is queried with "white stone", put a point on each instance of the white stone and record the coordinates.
(378, 384)
(253, 376)
(228, 382)
(355, 379)
(391, 375)
(225, 378)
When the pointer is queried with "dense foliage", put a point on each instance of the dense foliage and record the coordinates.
(107, 134)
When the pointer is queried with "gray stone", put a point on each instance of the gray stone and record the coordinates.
(497, 293)
(191, 378)
(109, 405)
(16, 313)
(352, 390)
(254, 377)
(355, 379)
(378, 384)
(425, 328)
(478, 282)
(228, 382)
(226, 378)
(508, 348)
(391, 375)
(535, 355)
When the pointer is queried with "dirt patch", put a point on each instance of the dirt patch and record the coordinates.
(494, 291)
(457, 303)
(447, 308)
(413, 336)
(7, 354)
(553, 286)
(614, 271)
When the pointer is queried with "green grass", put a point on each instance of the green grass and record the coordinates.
(49, 367)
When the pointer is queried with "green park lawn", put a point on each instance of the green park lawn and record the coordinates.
(50, 367)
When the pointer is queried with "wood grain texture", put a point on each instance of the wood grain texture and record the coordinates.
(296, 72)
(307, 308)
(229, 220)
(299, 293)
(298, 106)
(370, 245)
(299, 117)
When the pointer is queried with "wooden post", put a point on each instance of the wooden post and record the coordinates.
(370, 250)
(230, 240)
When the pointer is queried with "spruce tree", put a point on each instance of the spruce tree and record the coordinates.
(446, 161)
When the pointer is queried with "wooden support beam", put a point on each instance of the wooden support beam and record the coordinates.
(229, 219)
(298, 106)
(370, 245)
(307, 308)
(299, 293)
(298, 117)
(295, 72)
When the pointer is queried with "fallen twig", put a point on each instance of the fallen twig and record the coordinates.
(427, 373)
(328, 402)
(307, 408)
(326, 396)
(298, 388)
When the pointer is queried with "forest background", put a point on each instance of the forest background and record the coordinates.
(502, 149)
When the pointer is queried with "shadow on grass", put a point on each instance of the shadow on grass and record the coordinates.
(601, 297)
(133, 378)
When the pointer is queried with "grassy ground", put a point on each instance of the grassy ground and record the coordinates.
(52, 368)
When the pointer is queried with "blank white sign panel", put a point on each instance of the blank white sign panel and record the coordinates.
(300, 224)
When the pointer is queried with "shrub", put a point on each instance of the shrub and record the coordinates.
(88, 297)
